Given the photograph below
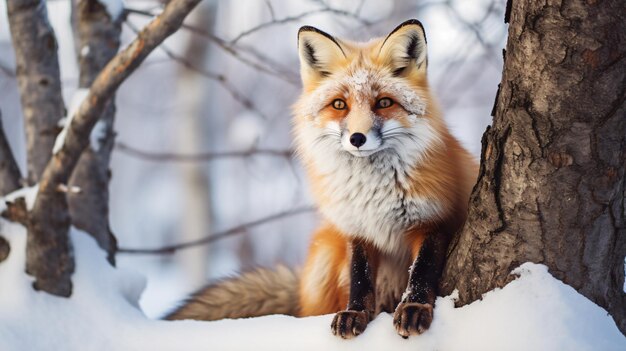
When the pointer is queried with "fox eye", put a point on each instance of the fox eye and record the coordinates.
(384, 102)
(338, 104)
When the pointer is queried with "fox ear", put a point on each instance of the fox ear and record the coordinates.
(404, 49)
(319, 53)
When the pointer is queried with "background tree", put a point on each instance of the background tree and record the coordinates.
(97, 36)
(551, 184)
(49, 252)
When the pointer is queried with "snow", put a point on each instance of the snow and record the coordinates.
(28, 193)
(77, 99)
(534, 312)
(68, 189)
(360, 83)
(98, 133)
(409, 98)
(84, 51)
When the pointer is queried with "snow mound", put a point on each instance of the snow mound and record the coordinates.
(534, 312)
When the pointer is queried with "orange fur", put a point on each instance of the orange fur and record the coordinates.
(415, 240)
(323, 291)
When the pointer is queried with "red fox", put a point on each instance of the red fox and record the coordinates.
(390, 180)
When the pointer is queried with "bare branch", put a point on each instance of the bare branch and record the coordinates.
(219, 78)
(359, 7)
(325, 9)
(49, 256)
(9, 171)
(273, 69)
(475, 28)
(270, 8)
(38, 76)
(242, 228)
(200, 157)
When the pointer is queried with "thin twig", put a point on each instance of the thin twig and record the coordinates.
(475, 28)
(359, 7)
(199, 157)
(170, 249)
(220, 78)
(270, 8)
(295, 18)
(270, 68)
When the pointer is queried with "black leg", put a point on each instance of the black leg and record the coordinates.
(414, 314)
(353, 321)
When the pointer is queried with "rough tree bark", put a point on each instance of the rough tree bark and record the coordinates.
(98, 39)
(38, 77)
(551, 184)
(48, 251)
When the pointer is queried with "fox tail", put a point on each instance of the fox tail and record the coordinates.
(255, 293)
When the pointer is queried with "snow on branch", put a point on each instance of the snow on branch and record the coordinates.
(49, 253)
(242, 228)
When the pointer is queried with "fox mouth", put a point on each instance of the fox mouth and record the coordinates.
(364, 153)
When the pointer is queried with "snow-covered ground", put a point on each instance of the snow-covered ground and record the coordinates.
(534, 312)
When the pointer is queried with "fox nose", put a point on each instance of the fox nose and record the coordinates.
(357, 139)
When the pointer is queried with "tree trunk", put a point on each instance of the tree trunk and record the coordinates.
(551, 184)
(38, 78)
(98, 38)
(49, 256)
(191, 134)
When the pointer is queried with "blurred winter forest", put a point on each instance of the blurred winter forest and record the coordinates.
(203, 143)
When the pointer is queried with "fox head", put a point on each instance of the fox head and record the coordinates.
(365, 99)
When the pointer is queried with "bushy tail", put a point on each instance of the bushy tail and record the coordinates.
(256, 293)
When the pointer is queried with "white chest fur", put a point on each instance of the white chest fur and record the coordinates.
(370, 197)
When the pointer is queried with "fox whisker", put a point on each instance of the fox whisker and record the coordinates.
(391, 129)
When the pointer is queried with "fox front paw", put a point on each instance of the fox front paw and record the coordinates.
(412, 318)
(349, 324)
